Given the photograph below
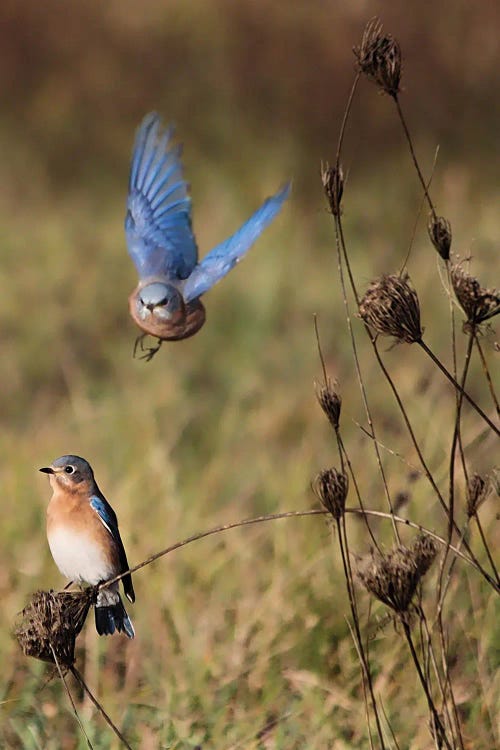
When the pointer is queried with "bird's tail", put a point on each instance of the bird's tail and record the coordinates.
(111, 615)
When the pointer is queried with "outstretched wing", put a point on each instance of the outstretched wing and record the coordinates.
(108, 518)
(158, 222)
(219, 261)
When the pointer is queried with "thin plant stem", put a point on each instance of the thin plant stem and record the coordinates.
(295, 514)
(68, 691)
(342, 252)
(326, 381)
(486, 372)
(343, 544)
(432, 661)
(358, 493)
(78, 677)
(454, 442)
(416, 445)
(486, 546)
(440, 730)
(459, 400)
(419, 213)
(413, 155)
(363, 682)
(347, 112)
(452, 380)
(447, 677)
(391, 730)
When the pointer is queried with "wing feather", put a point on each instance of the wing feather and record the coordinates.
(158, 222)
(219, 261)
(108, 518)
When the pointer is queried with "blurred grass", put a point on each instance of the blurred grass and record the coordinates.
(246, 629)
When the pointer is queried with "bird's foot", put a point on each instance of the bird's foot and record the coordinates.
(147, 353)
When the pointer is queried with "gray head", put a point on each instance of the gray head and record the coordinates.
(161, 300)
(69, 471)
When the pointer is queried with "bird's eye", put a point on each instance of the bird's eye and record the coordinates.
(69, 469)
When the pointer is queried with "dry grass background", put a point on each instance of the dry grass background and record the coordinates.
(242, 640)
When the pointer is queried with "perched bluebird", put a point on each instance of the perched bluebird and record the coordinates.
(166, 302)
(83, 536)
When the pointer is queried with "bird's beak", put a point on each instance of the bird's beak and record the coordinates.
(47, 470)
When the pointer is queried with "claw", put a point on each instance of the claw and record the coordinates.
(147, 352)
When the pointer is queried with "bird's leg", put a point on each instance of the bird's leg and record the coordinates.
(67, 586)
(148, 352)
(138, 342)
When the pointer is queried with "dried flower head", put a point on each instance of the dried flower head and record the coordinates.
(50, 623)
(390, 306)
(330, 401)
(393, 578)
(478, 303)
(477, 490)
(440, 234)
(379, 57)
(333, 184)
(331, 487)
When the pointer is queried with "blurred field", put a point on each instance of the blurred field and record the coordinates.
(241, 640)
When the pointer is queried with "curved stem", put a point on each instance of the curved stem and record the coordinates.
(297, 514)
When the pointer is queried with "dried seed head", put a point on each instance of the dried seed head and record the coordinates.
(440, 234)
(393, 578)
(390, 306)
(477, 490)
(331, 402)
(379, 58)
(478, 303)
(424, 549)
(50, 623)
(333, 184)
(331, 487)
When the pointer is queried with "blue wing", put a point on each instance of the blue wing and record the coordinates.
(158, 222)
(219, 261)
(108, 518)
(106, 515)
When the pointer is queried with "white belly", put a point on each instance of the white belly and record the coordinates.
(79, 558)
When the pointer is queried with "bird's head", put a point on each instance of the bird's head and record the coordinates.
(71, 473)
(159, 300)
(159, 310)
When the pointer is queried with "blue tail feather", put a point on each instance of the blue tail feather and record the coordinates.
(114, 617)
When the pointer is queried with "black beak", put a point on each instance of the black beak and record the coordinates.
(47, 470)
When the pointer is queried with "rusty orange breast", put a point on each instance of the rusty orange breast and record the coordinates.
(185, 323)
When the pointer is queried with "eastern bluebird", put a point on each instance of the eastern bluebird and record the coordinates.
(166, 302)
(83, 536)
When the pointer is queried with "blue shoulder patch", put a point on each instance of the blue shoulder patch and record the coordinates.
(106, 515)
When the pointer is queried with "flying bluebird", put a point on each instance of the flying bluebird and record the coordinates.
(166, 302)
(83, 536)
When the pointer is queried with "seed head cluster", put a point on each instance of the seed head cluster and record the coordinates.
(440, 234)
(330, 401)
(478, 303)
(379, 58)
(390, 306)
(50, 623)
(331, 487)
(333, 184)
(477, 490)
(393, 578)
